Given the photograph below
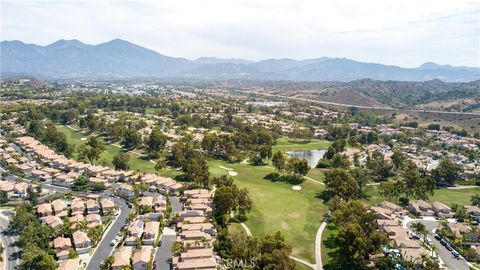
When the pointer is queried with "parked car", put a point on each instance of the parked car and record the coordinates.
(113, 243)
(438, 237)
(443, 242)
(428, 241)
(448, 247)
(456, 254)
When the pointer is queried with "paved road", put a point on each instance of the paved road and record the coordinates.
(163, 255)
(450, 261)
(104, 249)
(175, 203)
(9, 242)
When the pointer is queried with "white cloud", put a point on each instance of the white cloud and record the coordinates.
(405, 32)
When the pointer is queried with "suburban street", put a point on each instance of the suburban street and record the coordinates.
(104, 249)
(8, 241)
(164, 251)
(450, 261)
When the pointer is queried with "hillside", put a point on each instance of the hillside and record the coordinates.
(434, 94)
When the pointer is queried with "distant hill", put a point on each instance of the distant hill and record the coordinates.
(122, 59)
(26, 81)
(433, 95)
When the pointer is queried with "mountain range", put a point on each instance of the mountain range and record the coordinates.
(122, 59)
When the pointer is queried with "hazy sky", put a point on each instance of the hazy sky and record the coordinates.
(397, 32)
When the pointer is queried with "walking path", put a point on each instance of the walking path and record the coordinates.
(318, 244)
(463, 187)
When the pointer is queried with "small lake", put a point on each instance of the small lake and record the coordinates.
(311, 156)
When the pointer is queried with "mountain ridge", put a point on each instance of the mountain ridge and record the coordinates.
(123, 59)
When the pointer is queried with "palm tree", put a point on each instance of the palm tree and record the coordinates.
(420, 229)
(434, 249)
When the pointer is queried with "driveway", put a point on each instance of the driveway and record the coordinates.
(448, 259)
(104, 249)
(9, 242)
(164, 251)
(177, 206)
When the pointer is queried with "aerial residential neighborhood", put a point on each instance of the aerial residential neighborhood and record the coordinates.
(239, 134)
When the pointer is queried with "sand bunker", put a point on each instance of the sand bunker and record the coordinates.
(232, 173)
(296, 187)
(225, 168)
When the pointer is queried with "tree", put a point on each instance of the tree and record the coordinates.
(297, 167)
(92, 149)
(341, 184)
(391, 189)
(244, 202)
(275, 253)
(24, 214)
(433, 127)
(156, 143)
(398, 159)
(160, 165)
(279, 161)
(460, 212)
(81, 183)
(229, 198)
(95, 234)
(132, 139)
(358, 237)
(193, 163)
(33, 194)
(420, 229)
(475, 199)
(446, 173)
(362, 178)
(340, 161)
(35, 233)
(34, 257)
(120, 161)
(415, 185)
(225, 201)
(107, 263)
(378, 166)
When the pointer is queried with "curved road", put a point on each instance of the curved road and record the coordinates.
(448, 259)
(104, 249)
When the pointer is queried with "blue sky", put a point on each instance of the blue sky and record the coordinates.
(406, 33)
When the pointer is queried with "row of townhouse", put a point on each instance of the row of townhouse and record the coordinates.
(148, 232)
(423, 208)
(195, 233)
(79, 212)
(126, 257)
(152, 206)
(63, 171)
(387, 215)
(57, 164)
(14, 190)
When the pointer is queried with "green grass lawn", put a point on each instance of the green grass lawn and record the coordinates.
(284, 144)
(451, 196)
(330, 230)
(277, 207)
(446, 196)
(137, 162)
